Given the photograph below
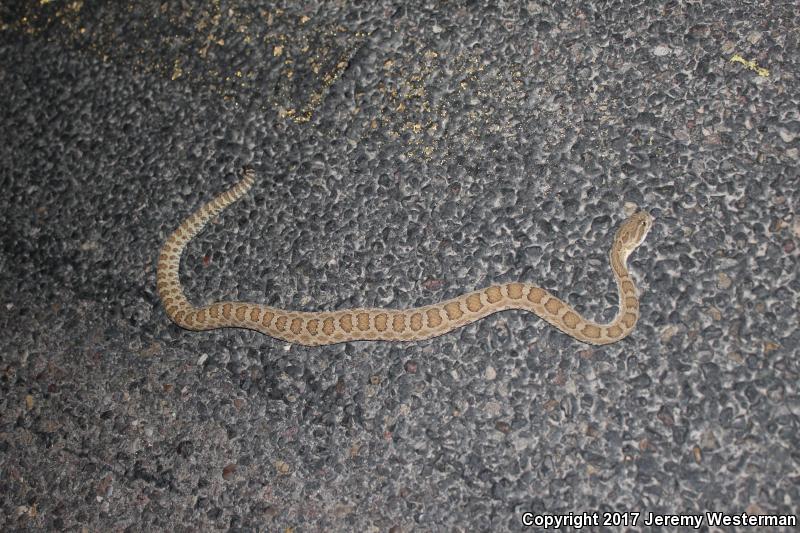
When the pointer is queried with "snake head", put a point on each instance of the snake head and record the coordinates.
(633, 231)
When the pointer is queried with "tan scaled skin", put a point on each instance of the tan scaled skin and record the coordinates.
(331, 327)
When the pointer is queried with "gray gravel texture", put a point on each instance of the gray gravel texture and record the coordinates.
(406, 152)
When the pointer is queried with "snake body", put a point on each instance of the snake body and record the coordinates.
(331, 327)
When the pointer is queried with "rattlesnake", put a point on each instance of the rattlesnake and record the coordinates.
(331, 327)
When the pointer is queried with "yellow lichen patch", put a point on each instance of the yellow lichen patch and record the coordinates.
(240, 312)
(380, 321)
(434, 318)
(536, 295)
(399, 323)
(493, 294)
(346, 323)
(752, 65)
(571, 319)
(515, 290)
(474, 302)
(280, 323)
(591, 331)
(453, 311)
(296, 326)
(362, 320)
(553, 305)
(416, 321)
(312, 326)
(327, 326)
